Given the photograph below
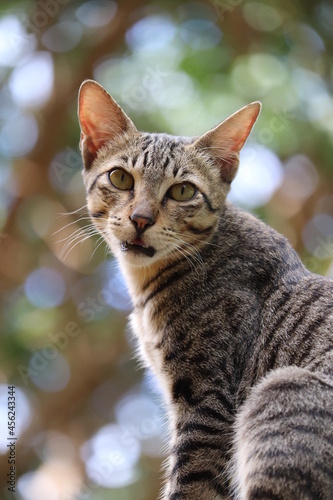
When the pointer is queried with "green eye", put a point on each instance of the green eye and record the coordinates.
(121, 179)
(182, 192)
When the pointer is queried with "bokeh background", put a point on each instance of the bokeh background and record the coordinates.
(90, 423)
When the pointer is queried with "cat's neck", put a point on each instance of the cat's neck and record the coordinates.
(138, 277)
(142, 280)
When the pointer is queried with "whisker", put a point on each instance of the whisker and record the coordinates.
(71, 223)
(191, 258)
(98, 244)
(64, 214)
(79, 230)
(195, 240)
(194, 258)
(107, 251)
(80, 241)
(80, 234)
(90, 229)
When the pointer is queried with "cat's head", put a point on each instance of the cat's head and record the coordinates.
(155, 196)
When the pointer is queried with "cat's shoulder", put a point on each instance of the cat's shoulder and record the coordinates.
(249, 225)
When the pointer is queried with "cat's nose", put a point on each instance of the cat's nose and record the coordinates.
(141, 221)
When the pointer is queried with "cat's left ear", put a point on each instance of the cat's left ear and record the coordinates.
(101, 120)
(224, 142)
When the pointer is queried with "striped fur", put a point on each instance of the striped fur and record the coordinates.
(238, 332)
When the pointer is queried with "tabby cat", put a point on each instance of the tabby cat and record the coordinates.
(238, 332)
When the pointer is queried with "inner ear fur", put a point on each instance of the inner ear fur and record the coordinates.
(224, 142)
(101, 119)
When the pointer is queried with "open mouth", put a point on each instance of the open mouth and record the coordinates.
(137, 246)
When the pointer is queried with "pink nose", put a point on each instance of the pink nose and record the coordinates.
(141, 221)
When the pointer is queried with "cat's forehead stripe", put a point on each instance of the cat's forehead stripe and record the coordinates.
(157, 150)
(145, 158)
(134, 160)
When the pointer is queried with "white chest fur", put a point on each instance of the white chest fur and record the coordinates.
(149, 336)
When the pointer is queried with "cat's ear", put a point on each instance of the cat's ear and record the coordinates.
(224, 142)
(101, 119)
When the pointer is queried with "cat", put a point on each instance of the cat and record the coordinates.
(238, 332)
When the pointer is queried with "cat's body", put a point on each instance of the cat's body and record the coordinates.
(238, 332)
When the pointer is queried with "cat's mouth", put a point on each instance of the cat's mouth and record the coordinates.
(138, 246)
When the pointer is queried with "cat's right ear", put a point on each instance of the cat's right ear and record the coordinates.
(101, 120)
(225, 141)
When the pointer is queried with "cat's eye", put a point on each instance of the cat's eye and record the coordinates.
(182, 192)
(121, 179)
